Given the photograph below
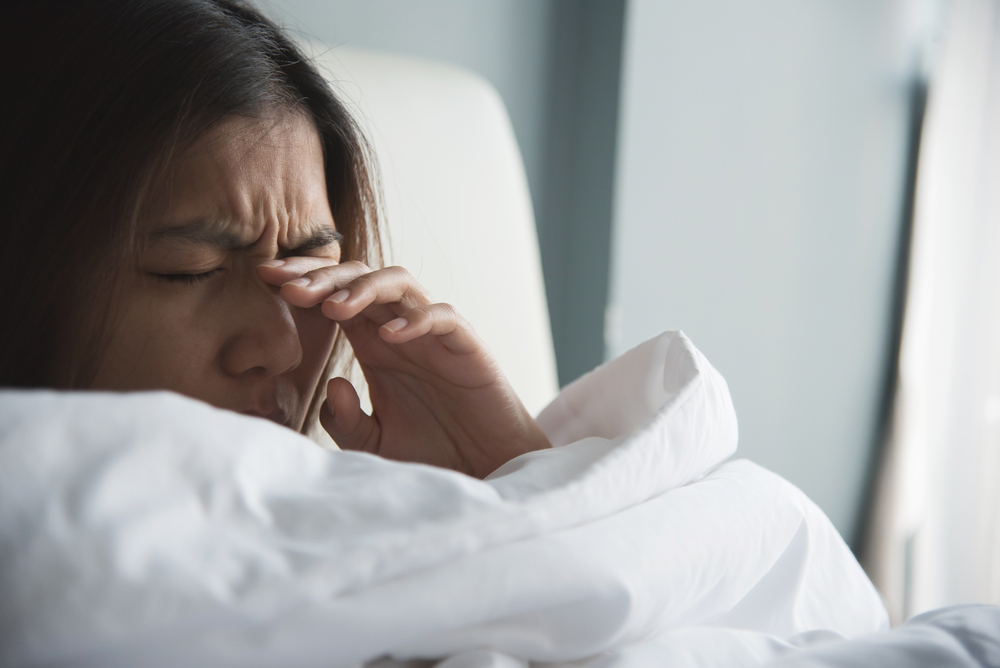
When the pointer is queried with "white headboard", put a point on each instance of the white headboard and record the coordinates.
(458, 210)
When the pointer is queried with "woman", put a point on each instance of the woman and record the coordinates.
(188, 207)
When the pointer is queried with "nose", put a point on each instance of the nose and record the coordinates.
(264, 339)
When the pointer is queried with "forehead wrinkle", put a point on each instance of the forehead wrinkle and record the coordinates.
(275, 199)
(213, 233)
(268, 136)
(242, 158)
(261, 198)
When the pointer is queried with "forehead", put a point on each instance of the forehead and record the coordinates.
(250, 175)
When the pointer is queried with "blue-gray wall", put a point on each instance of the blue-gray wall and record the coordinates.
(759, 207)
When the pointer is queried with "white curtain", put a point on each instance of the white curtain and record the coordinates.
(935, 535)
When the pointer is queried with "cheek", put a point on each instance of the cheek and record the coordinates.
(156, 344)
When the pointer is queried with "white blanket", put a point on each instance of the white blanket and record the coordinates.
(152, 530)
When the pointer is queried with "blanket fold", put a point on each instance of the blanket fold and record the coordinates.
(150, 529)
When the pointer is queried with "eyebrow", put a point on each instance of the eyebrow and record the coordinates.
(322, 236)
(210, 233)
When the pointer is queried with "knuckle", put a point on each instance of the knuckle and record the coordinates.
(418, 315)
(316, 272)
(400, 272)
(357, 265)
(446, 310)
(361, 283)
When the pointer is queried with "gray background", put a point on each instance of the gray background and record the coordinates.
(732, 168)
(759, 206)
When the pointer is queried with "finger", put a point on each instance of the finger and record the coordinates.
(392, 285)
(440, 320)
(341, 415)
(311, 287)
(279, 272)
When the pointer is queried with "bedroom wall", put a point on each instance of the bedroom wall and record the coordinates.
(760, 178)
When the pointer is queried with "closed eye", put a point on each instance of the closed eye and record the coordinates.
(188, 278)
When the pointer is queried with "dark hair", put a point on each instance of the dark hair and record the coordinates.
(98, 95)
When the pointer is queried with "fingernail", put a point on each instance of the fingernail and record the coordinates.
(301, 281)
(339, 297)
(272, 263)
(396, 325)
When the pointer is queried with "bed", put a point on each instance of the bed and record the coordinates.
(150, 529)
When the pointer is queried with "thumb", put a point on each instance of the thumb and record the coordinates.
(341, 415)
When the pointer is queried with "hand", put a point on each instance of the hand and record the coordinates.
(438, 396)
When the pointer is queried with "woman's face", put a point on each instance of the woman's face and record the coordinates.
(194, 316)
